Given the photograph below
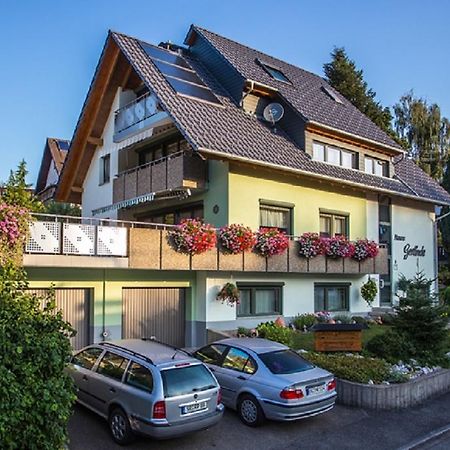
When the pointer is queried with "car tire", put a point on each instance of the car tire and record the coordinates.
(119, 426)
(250, 411)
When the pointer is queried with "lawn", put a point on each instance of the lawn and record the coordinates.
(306, 340)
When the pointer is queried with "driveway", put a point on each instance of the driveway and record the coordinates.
(341, 428)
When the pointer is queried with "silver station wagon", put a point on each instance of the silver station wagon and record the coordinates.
(146, 387)
(262, 379)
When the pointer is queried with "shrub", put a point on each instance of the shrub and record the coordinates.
(364, 249)
(310, 245)
(270, 242)
(236, 238)
(352, 368)
(391, 346)
(193, 236)
(302, 321)
(360, 320)
(269, 330)
(369, 291)
(387, 319)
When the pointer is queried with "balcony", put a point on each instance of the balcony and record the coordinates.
(174, 172)
(57, 241)
(137, 116)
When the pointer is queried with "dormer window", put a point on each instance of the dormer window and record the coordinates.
(376, 166)
(334, 155)
(274, 72)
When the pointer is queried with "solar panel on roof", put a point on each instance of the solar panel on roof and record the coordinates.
(179, 74)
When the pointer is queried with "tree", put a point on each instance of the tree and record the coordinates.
(62, 209)
(341, 72)
(424, 133)
(36, 394)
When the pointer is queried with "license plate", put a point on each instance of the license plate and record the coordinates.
(314, 390)
(194, 407)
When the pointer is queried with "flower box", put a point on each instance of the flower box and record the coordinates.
(339, 337)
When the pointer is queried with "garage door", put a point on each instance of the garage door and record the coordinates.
(74, 304)
(155, 312)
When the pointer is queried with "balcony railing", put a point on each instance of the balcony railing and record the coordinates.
(147, 246)
(177, 171)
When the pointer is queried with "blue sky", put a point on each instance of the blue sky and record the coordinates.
(50, 48)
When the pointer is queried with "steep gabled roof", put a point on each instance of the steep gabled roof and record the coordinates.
(55, 151)
(306, 92)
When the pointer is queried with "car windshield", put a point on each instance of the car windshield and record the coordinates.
(187, 379)
(284, 362)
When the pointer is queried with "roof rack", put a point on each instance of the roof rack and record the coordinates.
(126, 350)
(178, 349)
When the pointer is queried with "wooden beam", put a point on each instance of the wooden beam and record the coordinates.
(77, 189)
(95, 141)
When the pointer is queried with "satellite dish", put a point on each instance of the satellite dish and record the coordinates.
(273, 112)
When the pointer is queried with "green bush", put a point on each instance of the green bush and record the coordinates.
(269, 330)
(36, 394)
(392, 346)
(304, 320)
(351, 368)
(387, 319)
(360, 320)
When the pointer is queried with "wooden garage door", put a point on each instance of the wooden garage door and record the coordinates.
(157, 312)
(74, 304)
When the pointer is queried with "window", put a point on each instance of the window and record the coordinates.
(376, 166)
(285, 362)
(211, 354)
(240, 361)
(274, 72)
(87, 358)
(259, 300)
(271, 216)
(112, 366)
(332, 224)
(328, 297)
(173, 217)
(139, 377)
(105, 169)
(334, 155)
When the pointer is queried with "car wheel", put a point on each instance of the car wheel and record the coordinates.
(249, 410)
(119, 426)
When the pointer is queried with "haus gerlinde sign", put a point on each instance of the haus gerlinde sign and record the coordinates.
(409, 250)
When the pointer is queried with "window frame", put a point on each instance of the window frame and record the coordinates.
(328, 286)
(341, 150)
(374, 161)
(289, 207)
(250, 358)
(333, 215)
(270, 67)
(253, 287)
(86, 350)
(126, 359)
(105, 174)
(127, 374)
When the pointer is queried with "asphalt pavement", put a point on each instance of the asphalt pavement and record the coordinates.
(342, 428)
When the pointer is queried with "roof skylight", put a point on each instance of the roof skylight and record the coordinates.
(179, 74)
(274, 72)
(332, 94)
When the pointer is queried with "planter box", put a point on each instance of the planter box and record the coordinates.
(351, 265)
(393, 396)
(337, 337)
(230, 262)
(145, 248)
(253, 262)
(278, 263)
(335, 265)
(318, 264)
(205, 261)
(170, 258)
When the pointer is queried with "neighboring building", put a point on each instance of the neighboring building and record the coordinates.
(52, 162)
(169, 132)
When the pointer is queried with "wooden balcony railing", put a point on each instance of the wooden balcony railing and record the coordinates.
(180, 170)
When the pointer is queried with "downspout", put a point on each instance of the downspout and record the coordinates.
(104, 334)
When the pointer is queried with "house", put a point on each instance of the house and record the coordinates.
(215, 130)
(55, 152)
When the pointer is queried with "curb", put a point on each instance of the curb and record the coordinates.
(427, 438)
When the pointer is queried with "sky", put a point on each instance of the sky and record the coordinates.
(49, 50)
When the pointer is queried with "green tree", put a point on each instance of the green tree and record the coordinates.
(62, 209)
(341, 72)
(17, 192)
(424, 133)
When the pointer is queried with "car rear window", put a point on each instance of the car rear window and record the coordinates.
(284, 362)
(187, 379)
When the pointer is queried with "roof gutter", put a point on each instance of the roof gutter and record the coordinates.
(314, 175)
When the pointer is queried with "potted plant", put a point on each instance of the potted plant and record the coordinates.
(236, 238)
(338, 247)
(229, 294)
(270, 242)
(365, 248)
(310, 245)
(193, 236)
(369, 291)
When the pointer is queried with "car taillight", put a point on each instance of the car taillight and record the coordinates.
(291, 393)
(159, 410)
(331, 386)
(219, 396)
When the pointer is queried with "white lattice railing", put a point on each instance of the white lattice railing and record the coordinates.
(57, 237)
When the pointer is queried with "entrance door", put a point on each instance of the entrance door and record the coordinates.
(158, 312)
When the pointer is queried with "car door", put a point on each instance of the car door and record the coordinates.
(212, 356)
(80, 369)
(106, 382)
(236, 369)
